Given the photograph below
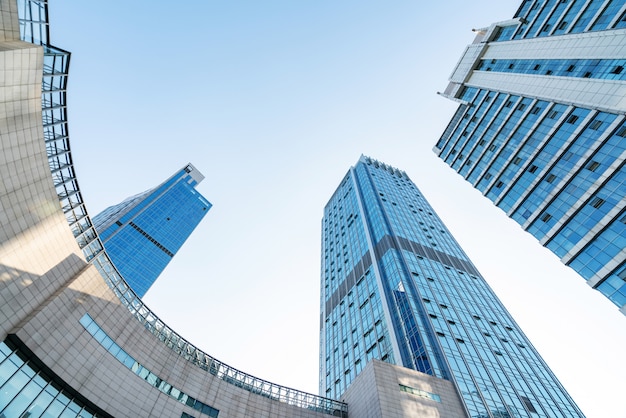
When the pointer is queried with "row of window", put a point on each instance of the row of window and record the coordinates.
(421, 393)
(523, 186)
(152, 240)
(471, 341)
(547, 18)
(26, 391)
(127, 360)
(607, 69)
(614, 287)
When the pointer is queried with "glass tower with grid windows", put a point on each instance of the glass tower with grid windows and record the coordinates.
(540, 130)
(397, 287)
(142, 234)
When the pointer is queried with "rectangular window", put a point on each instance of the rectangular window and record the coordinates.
(572, 119)
(593, 166)
(420, 392)
(597, 202)
(595, 125)
(528, 404)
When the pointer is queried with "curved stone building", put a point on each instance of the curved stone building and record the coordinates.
(75, 340)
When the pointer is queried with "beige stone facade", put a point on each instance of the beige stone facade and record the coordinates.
(47, 285)
(385, 390)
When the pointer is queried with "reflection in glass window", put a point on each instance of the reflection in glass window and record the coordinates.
(26, 391)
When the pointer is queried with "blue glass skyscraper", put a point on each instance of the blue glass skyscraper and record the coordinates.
(397, 287)
(541, 132)
(142, 234)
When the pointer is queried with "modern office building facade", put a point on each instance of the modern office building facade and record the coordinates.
(142, 233)
(540, 130)
(397, 287)
(75, 340)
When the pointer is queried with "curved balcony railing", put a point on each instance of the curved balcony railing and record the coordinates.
(34, 28)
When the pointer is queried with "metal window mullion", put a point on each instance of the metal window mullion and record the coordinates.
(504, 122)
(478, 124)
(54, 73)
(68, 195)
(51, 124)
(557, 155)
(560, 19)
(454, 124)
(61, 167)
(613, 214)
(54, 91)
(375, 267)
(595, 17)
(560, 187)
(56, 138)
(513, 155)
(578, 16)
(616, 18)
(541, 24)
(65, 181)
(54, 107)
(78, 219)
(83, 232)
(57, 161)
(532, 156)
(453, 134)
(523, 20)
(470, 133)
(590, 235)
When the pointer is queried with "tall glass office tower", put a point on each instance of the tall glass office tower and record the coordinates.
(142, 234)
(540, 130)
(397, 287)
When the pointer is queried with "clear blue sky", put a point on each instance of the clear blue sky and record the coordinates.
(273, 101)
